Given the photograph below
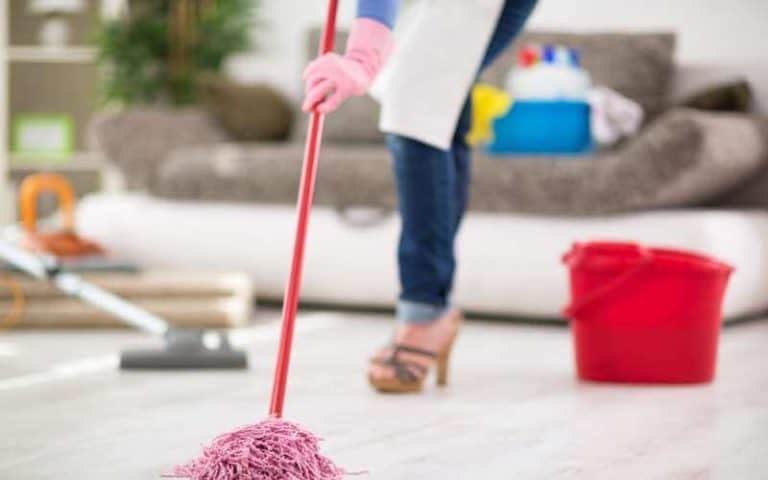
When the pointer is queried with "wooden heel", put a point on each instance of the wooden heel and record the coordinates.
(444, 358)
(443, 362)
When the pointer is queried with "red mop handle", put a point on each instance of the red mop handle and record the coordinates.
(304, 205)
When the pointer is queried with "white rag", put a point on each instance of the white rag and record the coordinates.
(614, 116)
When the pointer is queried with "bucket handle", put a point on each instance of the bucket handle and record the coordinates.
(574, 256)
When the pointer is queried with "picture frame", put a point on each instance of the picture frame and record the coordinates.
(42, 136)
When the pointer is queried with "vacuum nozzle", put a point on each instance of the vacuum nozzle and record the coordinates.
(186, 349)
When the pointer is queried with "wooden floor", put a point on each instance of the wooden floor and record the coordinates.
(513, 411)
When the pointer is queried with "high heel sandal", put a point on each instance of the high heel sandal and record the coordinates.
(409, 375)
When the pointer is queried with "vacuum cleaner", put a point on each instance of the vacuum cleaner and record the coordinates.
(184, 348)
(38, 254)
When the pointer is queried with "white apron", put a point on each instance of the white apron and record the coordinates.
(423, 87)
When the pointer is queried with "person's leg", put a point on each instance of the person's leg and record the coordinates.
(433, 192)
(426, 186)
(461, 161)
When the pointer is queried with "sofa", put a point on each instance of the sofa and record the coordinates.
(195, 198)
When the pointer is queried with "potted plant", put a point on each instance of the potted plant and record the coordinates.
(156, 50)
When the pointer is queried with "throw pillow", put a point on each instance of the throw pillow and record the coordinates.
(729, 97)
(249, 113)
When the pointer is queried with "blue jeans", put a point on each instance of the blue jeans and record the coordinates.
(433, 190)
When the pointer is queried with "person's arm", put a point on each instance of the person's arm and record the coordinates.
(383, 11)
(332, 78)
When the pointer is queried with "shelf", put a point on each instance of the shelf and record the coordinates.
(77, 162)
(34, 54)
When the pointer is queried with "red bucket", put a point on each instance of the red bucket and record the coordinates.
(644, 315)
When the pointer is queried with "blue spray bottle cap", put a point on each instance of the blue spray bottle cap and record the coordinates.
(575, 55)
(548, 53)
(562, 56)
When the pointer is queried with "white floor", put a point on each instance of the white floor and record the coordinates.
(513, 411)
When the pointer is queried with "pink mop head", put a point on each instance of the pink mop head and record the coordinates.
(269, 450)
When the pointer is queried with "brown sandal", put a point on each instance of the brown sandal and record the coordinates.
(409, 375)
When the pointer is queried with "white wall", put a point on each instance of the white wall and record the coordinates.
(708, 29)
(731, 33)
(280, 42)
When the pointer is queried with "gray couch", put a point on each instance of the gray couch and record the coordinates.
(680, 158)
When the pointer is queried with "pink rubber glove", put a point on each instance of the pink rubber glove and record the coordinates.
(331, 79)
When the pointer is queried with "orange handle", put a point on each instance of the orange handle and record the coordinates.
(35, 185)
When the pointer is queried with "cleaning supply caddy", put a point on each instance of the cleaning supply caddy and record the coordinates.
(551, 112)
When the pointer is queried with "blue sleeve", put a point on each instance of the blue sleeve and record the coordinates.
(384, 11)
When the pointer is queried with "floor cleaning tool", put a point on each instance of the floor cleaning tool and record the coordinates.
(184, 348)
(275, 449)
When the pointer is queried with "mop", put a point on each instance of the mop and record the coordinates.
(275, 449)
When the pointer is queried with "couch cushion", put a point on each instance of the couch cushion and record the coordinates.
(356, 122)
(509, 262)
(138, 139)
(269, 173)
(684, 158)
(637, 65)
